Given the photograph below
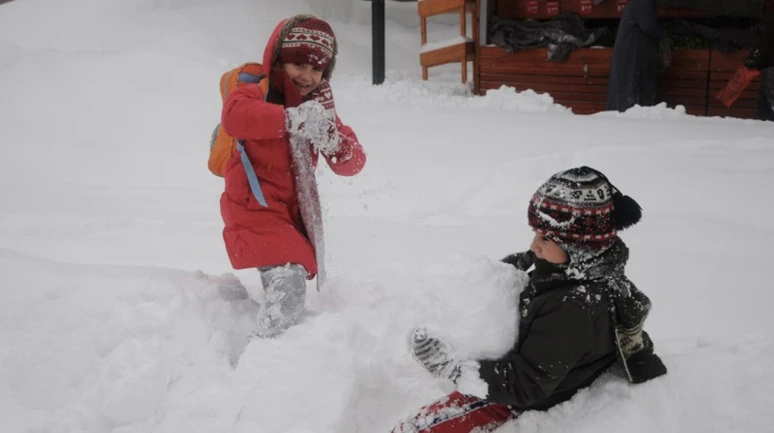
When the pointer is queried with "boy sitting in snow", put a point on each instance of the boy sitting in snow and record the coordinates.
(579, 314)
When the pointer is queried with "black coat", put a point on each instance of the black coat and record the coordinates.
(573, 330)
(761, 54)
(635, 57)
(565, 342)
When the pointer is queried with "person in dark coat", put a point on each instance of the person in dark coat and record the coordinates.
(635, 57)
(579, 315)
(761, 57)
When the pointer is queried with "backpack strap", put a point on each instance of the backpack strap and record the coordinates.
(252, 178)
(245, 77)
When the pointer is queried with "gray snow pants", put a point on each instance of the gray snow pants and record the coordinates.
(285, 288)
(764, 105)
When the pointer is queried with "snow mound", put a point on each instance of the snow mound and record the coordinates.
(93, 348)
(407, 89)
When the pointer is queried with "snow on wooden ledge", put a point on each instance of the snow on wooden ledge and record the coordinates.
(443, 44)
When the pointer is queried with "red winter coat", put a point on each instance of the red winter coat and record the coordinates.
(257, 236)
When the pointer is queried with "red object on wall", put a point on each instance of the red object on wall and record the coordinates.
(736, 85)
(552, 7)
(533, 7)
(620, 5)
(586, 7)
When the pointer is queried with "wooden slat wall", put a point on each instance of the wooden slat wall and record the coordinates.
(517, 9)
(693, 79)
(685, 82)
(579, 83)
(722, 67)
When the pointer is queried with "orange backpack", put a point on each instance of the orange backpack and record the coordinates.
(222, 145)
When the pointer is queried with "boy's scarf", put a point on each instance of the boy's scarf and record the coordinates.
(628, 306)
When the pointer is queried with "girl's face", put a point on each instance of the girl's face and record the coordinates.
(305, 77)
(548, 250)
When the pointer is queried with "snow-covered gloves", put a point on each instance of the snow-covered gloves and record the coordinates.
(315, 120)
(435, 355)
(311, 121)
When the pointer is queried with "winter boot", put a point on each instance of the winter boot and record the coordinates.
(283, 306)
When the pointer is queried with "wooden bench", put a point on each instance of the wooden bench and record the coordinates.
(461, 50)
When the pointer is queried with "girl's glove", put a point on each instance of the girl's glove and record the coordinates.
(312, 121)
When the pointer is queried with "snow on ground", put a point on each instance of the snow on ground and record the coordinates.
(120, 312)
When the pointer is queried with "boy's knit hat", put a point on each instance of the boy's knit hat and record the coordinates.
(309, 41)
(581, 207)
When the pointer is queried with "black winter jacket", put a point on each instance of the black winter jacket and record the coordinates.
(565, 343)
(761, 54)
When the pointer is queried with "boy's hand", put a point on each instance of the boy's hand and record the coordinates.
(435, 355)
(521, 261)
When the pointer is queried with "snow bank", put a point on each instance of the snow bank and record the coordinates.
(414, 92)
(96, 348)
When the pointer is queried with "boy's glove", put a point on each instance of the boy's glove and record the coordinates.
(521, 261)
(312, 121)
(435, 355)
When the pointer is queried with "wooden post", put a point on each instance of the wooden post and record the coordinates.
(464, 33)
(377, 41)
(477, 47)
(423, 29)
(423, 33)
(464, 21)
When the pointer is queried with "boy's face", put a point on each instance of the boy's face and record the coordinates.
(548, 250)
(305, 76)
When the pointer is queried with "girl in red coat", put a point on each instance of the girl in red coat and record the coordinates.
(264, 227)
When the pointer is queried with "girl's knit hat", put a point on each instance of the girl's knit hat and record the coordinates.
(307, 40)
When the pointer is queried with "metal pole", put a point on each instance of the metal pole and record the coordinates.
(377, 40)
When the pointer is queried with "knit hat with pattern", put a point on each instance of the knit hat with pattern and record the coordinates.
(580, 207)
(307, 41)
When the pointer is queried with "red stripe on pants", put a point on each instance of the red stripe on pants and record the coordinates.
(457, 413)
